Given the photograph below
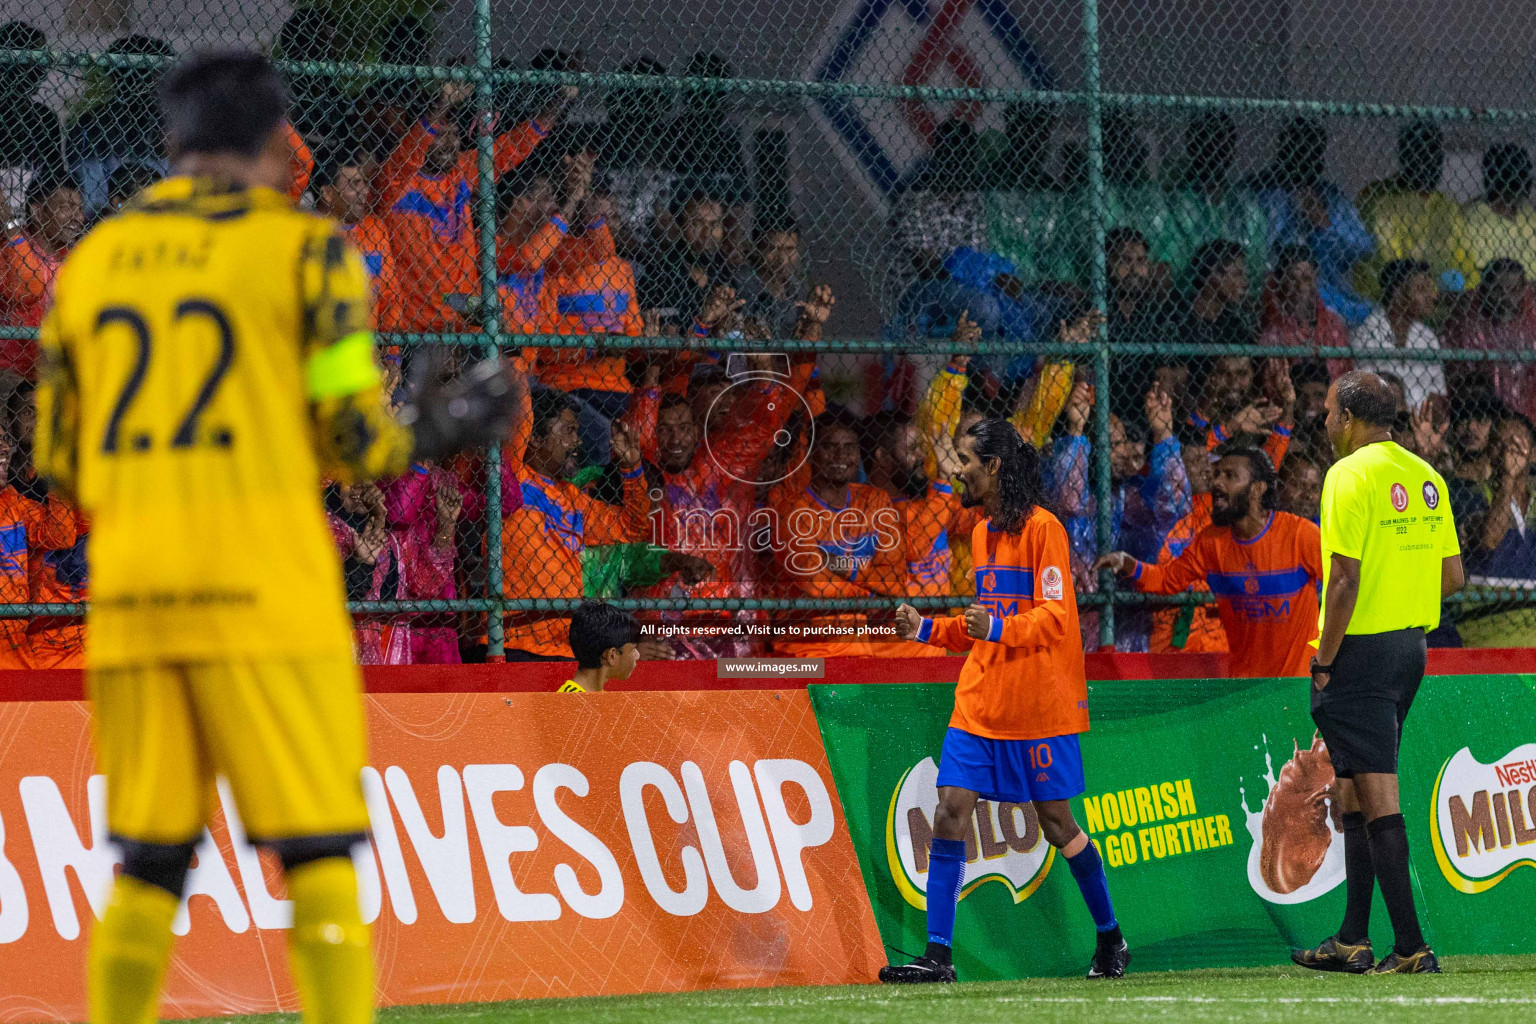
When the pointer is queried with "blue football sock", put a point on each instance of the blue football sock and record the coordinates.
(1088, 869)
(946, 867)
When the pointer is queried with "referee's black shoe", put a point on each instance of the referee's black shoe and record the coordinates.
(922, 971)
(1333, 955)
(1420, 961)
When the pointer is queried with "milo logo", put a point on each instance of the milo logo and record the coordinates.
(1003, 844)
(1483, 818)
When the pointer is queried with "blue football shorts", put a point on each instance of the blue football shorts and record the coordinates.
(1013, 771)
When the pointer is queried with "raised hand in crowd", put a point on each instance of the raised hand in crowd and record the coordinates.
(815, 311)
(549, 115)
(576, 187)
(624, 445)
(720, 305)
(945, 456)
(967, 333)
(448, 97)
(449, 505)
(1514, 460)
(1082, 330)
(1159, 408)
(1079, 408)
(1257, 417)
(1431, 423)
(1514, 482)
(373, 537)
(1279, 388)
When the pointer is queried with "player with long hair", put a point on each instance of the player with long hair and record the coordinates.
(1022, 698)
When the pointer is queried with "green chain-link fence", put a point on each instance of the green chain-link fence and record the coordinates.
(1137, 229)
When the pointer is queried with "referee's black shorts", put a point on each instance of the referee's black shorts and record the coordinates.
(1360, 712)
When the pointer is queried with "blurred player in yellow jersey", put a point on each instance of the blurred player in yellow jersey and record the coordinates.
(207, 359)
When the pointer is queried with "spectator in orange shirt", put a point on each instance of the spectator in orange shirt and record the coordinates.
(55, 577)
(425, 192)
(839, 539)
(930, 511)
(54, 222)
(1231, 404)
(711, 469)
(1263, 565)
(531, 225)
(346, 194)
(549, 522)
(27, 529)
(301, 164)
(586, 290)
(558, 273)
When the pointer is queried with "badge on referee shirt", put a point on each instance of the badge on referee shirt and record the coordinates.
(1431, 494)
(1399, 497)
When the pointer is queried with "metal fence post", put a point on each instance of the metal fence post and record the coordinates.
(1092, 89)
(490, 321)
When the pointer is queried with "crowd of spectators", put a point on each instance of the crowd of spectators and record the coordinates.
(1282, 257)
(683, 473)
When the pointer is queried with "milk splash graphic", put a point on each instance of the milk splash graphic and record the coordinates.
(1328, 874)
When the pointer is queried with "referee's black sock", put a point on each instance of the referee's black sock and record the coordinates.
(1389, 856)
(1359, 880)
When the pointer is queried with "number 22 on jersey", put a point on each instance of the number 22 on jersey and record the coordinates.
(188, 430)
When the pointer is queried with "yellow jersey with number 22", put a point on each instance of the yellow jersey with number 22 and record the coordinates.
(206, 360)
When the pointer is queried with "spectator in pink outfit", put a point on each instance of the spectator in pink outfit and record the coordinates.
(423, 509)
(408, 561)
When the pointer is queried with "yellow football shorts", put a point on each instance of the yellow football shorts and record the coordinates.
(287, 734)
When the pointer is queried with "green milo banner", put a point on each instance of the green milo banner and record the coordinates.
(1209, 801)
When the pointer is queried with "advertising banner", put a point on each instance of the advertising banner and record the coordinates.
(524, 845)
(1210, 802)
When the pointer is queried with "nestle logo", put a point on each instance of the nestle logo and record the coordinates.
(1516, 773)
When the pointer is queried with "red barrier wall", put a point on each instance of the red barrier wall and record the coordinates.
(543, 677)
(585, 847)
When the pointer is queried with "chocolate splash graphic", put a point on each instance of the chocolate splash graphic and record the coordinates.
(1296, 815)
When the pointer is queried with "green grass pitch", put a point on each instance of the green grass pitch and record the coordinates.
(1471, 991)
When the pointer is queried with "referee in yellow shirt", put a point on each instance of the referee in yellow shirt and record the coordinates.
(1389, 556)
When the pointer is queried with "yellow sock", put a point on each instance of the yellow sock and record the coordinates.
(129, 951)
(328, 947)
